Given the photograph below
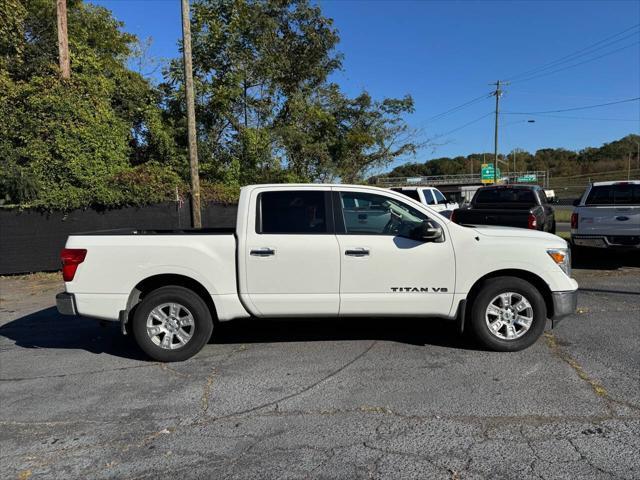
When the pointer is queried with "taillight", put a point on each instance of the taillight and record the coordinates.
(453, 216)
(574, 220)
(532, 222)
(71, 258)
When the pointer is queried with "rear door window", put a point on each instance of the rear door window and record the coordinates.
(292, 212)
(428, 197)
(505, 195)
(617, 194)
(411, 194)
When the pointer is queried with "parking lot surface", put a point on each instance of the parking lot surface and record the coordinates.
(324, 398)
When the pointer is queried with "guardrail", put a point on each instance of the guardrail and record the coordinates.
(539, 177)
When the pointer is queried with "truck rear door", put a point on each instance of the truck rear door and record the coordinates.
(291, 257)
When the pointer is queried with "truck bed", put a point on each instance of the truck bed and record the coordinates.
(509, 216)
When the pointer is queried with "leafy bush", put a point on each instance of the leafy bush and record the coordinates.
(98, 139)
(148, 183)
(219, 193)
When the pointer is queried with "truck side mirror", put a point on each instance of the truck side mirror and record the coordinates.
(426, 232)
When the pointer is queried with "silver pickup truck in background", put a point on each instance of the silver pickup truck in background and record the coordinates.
(608, 216)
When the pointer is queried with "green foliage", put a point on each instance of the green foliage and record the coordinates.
(12, 17)
(265, 108)
(87, 140)
(107, 137)
(147, 183)
(220, 193)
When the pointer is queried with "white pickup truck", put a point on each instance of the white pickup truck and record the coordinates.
(430, 196)
(608, 216)
(319, 251)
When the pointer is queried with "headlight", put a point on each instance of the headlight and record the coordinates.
(562, 258)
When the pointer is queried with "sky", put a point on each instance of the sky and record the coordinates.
(447, 53)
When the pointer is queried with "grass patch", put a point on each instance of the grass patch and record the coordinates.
(563, 216)
(38, 276)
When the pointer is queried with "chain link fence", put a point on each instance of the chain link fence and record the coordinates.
(567, 189)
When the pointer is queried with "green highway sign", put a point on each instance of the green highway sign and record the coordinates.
(487, 173)
(528, 178)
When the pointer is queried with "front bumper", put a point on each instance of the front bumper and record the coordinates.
(66, 304)
(564, 304)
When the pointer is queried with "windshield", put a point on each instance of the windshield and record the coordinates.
(505, 195)
(617, 194)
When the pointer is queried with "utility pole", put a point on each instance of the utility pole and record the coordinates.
(63, 39)
(629, 166)
(497, 94)
(196, 213)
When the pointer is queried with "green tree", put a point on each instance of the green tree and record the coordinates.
(66, 144)
(558, 161)
(265, 108)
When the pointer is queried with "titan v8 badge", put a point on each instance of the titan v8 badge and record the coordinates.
(420, 289)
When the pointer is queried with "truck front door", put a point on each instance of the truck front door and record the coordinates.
(383, 271)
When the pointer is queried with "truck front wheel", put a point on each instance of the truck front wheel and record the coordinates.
(509, 314)
(172, 324)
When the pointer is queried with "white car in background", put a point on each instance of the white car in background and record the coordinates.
(429, 196)
(608, 216)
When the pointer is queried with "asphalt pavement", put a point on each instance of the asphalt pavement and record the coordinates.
(395, 398)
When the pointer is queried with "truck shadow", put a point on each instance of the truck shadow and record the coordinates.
(412, 331)
(595, 259)
(48, 329)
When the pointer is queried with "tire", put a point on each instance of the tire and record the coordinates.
(181, 319)
(511, 326)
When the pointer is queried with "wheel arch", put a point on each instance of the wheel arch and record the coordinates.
(154, 282)
(530, 277)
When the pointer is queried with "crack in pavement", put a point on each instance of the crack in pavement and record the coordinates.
(595, 385)
(295, 394)
(206, 391)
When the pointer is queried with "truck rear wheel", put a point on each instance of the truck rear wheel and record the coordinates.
(172, 324)
(509, 314)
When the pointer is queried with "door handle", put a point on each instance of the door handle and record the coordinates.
(357, 252)
(263, 252)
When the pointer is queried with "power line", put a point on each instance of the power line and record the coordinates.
(459, 107)
(564, 95)
(464, 126)
(577, 64)
(574, 108)
(582, 118)
(574, 55)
